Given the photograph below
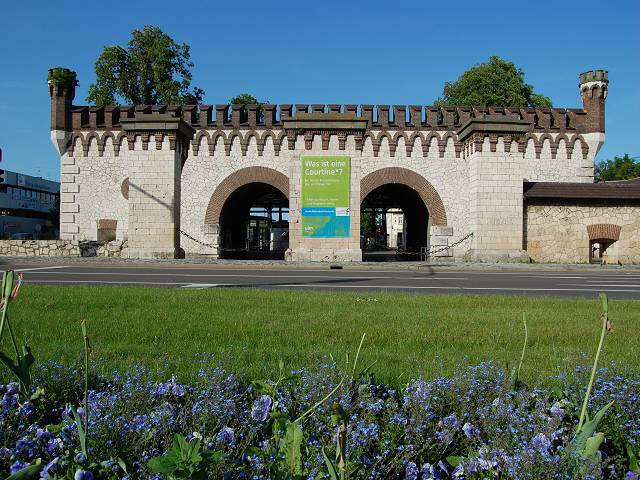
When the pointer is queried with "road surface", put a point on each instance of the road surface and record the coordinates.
(573, 283)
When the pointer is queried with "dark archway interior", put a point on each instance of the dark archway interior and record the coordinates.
(387, 197)
(254, 223)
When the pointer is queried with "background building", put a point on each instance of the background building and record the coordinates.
(29, 207)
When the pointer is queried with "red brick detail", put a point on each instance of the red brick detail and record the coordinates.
(237, 180)
(124, 188)
(604, 231)
(107, 224)
(412, 180)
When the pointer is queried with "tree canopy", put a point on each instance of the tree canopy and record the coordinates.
(152, 70)
(245, 99)
(497, 83)
(620, 168)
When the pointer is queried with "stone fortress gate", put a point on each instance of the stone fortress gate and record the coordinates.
(231, 181)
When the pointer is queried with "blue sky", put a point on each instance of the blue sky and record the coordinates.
(325, 51)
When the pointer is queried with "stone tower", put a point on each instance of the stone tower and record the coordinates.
(594, 86)
(62, 89)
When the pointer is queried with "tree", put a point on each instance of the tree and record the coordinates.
(496, 83)
(620, 168)
(245, 99)
(152, 70)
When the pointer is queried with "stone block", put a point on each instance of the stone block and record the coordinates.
(69, 169)
(69, 228)
(69, 188)
(69, 207)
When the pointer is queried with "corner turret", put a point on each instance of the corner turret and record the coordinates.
(62, 89)
(594, 86)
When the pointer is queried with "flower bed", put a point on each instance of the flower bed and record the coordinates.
(470, 425)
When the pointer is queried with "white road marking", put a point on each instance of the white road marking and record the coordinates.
(41, 268)
(384, 287)
(255, 274)
(379, 287)
(593, 284)
(199, 286)
(104, 282)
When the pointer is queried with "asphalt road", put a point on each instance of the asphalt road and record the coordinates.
(579, 283)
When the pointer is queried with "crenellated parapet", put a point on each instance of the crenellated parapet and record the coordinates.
(384, 117)
(398, 129)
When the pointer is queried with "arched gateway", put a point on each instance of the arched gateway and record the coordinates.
(397, 208)
(251, 209)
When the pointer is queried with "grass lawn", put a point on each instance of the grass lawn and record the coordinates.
(250, 330)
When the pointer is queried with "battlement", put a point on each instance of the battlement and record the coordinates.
(396, 117)
(594, 76)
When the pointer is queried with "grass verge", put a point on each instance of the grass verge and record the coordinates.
(249, 330)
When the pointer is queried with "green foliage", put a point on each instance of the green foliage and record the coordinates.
(516, 383)
(27, 472)
(152, 70)
(185, 460)
(497, 82)
(62, 77)
(586, 443)
(634, 464)
(20, 367)
(244, 99)
(620, 168)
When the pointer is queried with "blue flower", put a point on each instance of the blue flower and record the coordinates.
(51, 466)
(450, 421)
(411, 472)
(541, 443)
(557, 410)
(225, 436)
(470, 431)
(261, 407)
(83, 475)
(17, 466)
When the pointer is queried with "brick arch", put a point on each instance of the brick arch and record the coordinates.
(238, 179)
(604, 231)
(427, 193)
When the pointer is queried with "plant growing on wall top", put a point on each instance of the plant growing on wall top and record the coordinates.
(153, 69)
(496, 83)
(61, 76)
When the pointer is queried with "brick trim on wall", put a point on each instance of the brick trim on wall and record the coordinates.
(421, 185)
(604, 231)
(124, 188)
(236, 180)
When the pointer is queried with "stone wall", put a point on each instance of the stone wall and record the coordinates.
(61, 248)
(495, 207)
(558, 233)
(97, 165)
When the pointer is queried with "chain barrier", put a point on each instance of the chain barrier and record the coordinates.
(425, 254)
(212, 245)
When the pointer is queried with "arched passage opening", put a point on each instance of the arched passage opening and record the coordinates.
(251, 210)
(394, 224)
(398, 206)
(254, 223)
(601, 237)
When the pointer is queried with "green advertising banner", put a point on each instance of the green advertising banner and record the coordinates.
(326, 196)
